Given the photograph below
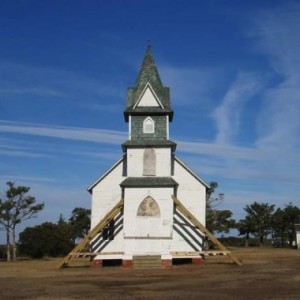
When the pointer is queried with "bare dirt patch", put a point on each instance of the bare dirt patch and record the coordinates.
(266, 274)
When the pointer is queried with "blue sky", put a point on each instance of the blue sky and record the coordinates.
(232, 66)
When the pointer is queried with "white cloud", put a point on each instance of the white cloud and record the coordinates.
(53, 84)
(274, 155)
(229, 113)
(219, 150)
(25, 179)
(10, 152)
(73, 133)
(261, 163)
(278, 33)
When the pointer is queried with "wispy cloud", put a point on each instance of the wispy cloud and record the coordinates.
(278, 33)
(20, 179)
(242, 163)
(225, 160)
(223, 151)
(228, 115)
(53, 84)
(61, 132)
(274, 153)
(10, 152)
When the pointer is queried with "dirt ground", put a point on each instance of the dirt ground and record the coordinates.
(266, 274)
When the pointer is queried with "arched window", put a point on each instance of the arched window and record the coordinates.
(148, 208)
(149, 162)
(148, 125)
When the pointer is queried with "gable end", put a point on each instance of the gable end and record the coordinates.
(191, 172)
(90, 188)
(144, 94)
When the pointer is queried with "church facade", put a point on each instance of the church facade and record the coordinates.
(146, 177)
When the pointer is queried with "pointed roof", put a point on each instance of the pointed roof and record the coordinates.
(148, 72)
(148, 75)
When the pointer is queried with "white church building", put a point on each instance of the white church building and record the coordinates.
(147, 179)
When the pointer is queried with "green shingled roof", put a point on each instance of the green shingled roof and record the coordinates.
(148, 74)
(149, 182)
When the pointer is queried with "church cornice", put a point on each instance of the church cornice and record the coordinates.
(149, 143)
(146, 111)
(154, 181)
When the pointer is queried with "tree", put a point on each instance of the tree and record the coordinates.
(279, 226)
(291, 218)
(284, 221)
(80, 222)
(47, 239)
(16, 207)
(217, 220)
(259, 218)
(246, 227)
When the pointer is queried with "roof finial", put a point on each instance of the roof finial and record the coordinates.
(149, 45)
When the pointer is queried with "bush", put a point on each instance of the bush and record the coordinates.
(232, 241)
(47, 239)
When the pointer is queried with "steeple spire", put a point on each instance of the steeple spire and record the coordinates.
(148, 81)
(148, 71)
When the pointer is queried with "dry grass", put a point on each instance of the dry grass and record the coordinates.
(265, 274)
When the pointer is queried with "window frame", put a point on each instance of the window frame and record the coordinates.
(146, 124)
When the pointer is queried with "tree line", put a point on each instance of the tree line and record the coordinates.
(262, 220)
(57, 239)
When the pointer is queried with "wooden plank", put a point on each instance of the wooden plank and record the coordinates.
(185, 253)
(203, 229)
(215, 253)
(95, 253)
(93, 233)
(197, 253)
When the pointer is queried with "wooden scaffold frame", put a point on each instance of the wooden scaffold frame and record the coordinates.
(78, 250)
(206, 232)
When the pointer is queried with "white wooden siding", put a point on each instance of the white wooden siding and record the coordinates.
(191, 192)
(105, 195)
(135, 162)
(142, 234)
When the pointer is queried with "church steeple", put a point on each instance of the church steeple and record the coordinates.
(148, 80)
(148, 109)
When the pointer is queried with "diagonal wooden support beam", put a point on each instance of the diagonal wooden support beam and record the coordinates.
(93, 233)
(203, 229)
